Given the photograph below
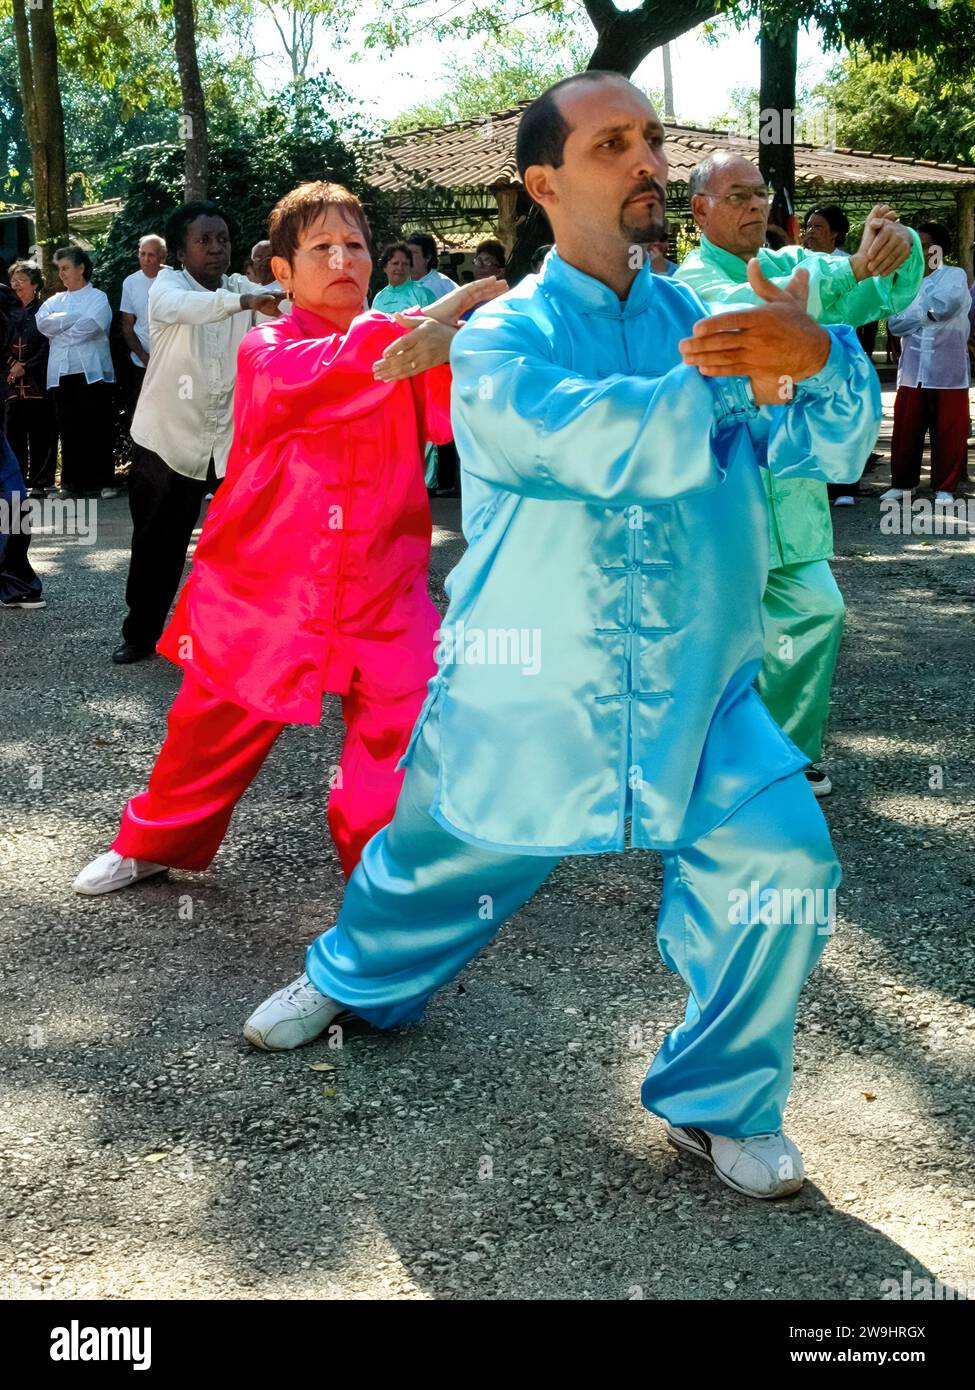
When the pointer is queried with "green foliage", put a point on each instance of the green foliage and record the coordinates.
(255, 158)
(688, 238)
(402, 24)
(901, 105)
(495, 79)
(943, 29)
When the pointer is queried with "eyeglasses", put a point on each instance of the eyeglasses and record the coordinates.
(742, 196)
(485, 262)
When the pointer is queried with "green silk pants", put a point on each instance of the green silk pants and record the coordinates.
(804, 612)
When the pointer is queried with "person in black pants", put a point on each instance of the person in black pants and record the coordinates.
(165, 508)
(19, 585)
(29, 421)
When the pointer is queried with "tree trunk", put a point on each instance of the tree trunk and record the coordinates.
(668, 84)
(625, 37)
(194, 119)
(37, 57)
(777, 115)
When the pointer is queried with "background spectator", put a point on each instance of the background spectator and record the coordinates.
(932, 375)
(19, 585)
(134, 311)
(489, 259)
(825, 230)
(28, 410)
(423, 248)
(402, 292)
(80, 374)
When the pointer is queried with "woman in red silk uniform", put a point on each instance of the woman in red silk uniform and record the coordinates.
(310, 575)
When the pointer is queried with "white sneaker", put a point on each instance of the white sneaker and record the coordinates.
(292, 1017)
(894, 494)
(819, 781)
(111, 871)
(944, 499)
(845, 499)
(111, 492)
(765, 1165)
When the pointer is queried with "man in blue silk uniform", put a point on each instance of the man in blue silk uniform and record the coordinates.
(596, 665)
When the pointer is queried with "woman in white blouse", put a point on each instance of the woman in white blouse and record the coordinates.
(80, 374)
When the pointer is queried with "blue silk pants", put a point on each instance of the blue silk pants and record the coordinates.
(422, 903)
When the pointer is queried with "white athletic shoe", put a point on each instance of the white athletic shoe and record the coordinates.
(292, 1017)
(894, 494)
(819, 781)
(765, 1165)
(944, 499)
(110, 872)
(845, 499)
(108, 492)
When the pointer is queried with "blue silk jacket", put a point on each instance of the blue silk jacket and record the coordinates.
(605, 622)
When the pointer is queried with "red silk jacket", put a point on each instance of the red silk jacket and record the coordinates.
(318, 540)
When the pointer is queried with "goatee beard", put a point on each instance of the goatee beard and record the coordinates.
(654, 231)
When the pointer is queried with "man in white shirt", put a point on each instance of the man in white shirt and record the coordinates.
(933, 375)
(198, 315)
(262, 274)
(134, 309)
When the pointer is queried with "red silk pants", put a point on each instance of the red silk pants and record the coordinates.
(918, 410)
(213, 751)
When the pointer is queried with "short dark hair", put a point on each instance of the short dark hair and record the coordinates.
(427, 246)
(831, 213)
(938, 233)
(543, 130)
(394, 248)
(300, 208)
(178, 221)
(492, 248)
(76, 256)
(33, 272)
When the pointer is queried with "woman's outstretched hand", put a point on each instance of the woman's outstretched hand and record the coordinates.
(428, 345)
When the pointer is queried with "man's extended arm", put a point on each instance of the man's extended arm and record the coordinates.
(541, 431)
(171, 301)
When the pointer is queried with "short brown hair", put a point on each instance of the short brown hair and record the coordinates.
(301, 207)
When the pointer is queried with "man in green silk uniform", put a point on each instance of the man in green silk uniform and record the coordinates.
(803, 606)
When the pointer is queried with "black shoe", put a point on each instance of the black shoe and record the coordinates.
(125, 654)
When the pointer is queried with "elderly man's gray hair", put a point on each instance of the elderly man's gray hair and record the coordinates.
(700, 176)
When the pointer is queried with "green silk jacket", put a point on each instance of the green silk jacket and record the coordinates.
(800, 528)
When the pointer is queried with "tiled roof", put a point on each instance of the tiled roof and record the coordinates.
(480, 153)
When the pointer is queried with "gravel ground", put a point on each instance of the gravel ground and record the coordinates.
(500, 1149)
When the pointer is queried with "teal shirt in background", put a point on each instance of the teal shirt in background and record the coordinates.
(394, 299)
(800, 529)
